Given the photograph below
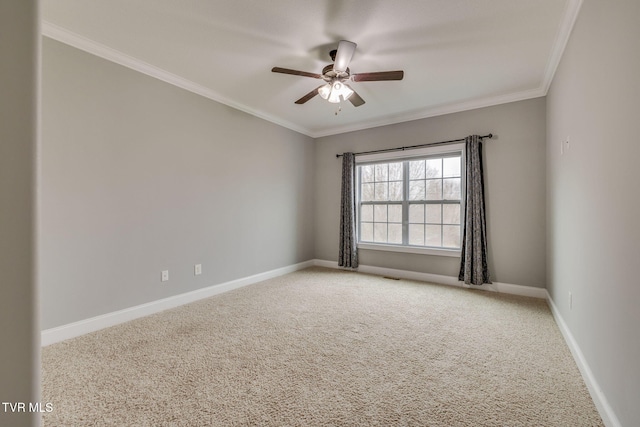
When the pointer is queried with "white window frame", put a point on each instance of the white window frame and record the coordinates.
(407, 155)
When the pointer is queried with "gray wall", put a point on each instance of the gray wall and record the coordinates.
(593, 197)
(514, 184)
(19, 334)
(139, 176)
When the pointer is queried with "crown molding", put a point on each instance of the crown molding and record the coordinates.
(85, 44)
(570, 15)
(436, 111)
(562, 38)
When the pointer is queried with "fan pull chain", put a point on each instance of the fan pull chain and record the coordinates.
(338, 110)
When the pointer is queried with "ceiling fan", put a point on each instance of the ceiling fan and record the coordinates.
(335, 89)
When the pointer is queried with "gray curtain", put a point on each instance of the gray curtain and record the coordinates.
(473, 261)
(348, 254)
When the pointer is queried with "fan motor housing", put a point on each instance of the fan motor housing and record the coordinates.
(329, 74)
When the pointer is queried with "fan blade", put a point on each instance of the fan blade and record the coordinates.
(355, 99)
(343, 56)
(295, 72)
(308, 96)
(379, 76)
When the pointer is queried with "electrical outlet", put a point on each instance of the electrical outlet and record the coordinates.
(165, 276)
(570, 301)
(197, 269)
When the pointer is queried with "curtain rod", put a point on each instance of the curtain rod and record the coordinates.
(386, 150)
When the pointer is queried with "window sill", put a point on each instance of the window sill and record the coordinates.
(410, 249)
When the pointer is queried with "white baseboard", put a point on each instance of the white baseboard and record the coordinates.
(599, 399)
(505, 288)
(72, 330)
(602, 405)
(75, 329)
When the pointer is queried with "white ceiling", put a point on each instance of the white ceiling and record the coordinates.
(456, 54)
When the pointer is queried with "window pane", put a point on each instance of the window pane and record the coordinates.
(395, 171)
(451, 214)
(434, 168)
(416, 190)
(416, 234)
(431, 190)
(434, 189)
(366, 213)
(367, 173)
(451, 236)
(382, 191)
(395, 191)
(395, 233)
(380, 232)
(380, 213)
(434, 235)
(416, 169)
(416, 214)
(451, 166)
(451, 188)
(367, 192)
(366, 232)
(395, 213)
(382, 172)
(434, 214)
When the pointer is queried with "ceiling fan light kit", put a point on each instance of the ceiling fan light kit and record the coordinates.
(333, 92)
(335, 89)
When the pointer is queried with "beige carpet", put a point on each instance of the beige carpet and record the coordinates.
(322, 347)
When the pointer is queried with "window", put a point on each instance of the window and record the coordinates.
(411, 204)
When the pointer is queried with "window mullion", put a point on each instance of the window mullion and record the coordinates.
(405, 202)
